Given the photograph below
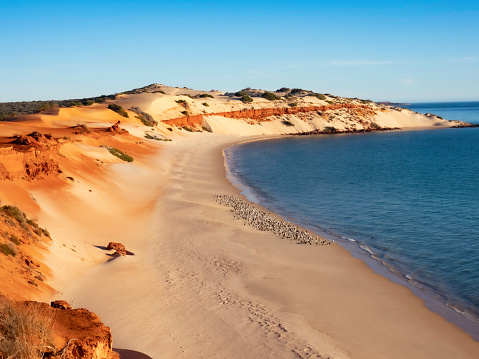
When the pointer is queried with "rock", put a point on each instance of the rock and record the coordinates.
(60, 304)
(118, 247)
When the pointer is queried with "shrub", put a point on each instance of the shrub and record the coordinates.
(270, 96)
(118, 109)
(204, 95)
(144, 117)
(25, 332)
(375, 126)
(15, 240)
(121, 155)
(182, 102)
(283, 89)
(297, 90)
(15, 212)
(241, 94)
(205, 104)
(187, 129)
(293, 104)
(157, 137)
(319, 96)
(187, 95)
(246, 98)
(8, 249)
(287, 122)
(330, 129)
(185, 113)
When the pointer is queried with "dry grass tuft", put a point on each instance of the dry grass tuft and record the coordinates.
(24, 331)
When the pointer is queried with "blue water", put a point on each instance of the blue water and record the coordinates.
(411, 198)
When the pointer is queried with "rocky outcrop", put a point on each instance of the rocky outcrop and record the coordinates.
(116, 129)
(261, 114)
(118, 247)
(72, 334)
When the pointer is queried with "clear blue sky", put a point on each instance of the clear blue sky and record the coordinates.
(398, 51)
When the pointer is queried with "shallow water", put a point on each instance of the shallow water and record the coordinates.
(409, 198)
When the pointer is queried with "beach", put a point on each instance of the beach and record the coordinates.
(204, 285)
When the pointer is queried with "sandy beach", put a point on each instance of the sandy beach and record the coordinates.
(203, 285)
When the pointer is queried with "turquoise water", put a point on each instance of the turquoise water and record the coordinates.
(409, 199)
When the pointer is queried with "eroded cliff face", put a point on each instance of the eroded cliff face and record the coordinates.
(262, 114)
(29, 157)
(33, 330)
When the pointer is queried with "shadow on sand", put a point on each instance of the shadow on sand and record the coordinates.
(130, 354)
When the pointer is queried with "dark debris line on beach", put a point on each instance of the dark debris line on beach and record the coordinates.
(262, 221)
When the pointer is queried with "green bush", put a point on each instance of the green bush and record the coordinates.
(271, 96)
(330, 129)
(205, 104)
(8, 250)
(204, 95)
(157, 137)
(319, 96)
(118, 109)
(246, 98)
(181, 102)
(293, 104)
(297, 90)
(144, 117)
(186, 128)
(283, 89)
(15, 240)
(241, 94)
(287, 123)
(121, 155)
(15, 212)
(375, 126)
(185, 113)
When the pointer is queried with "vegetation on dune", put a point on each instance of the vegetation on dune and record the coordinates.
(186, 128)
(293, 104)
(27, 224)
(118, 109)
(318, 95)
(205, 104)
(295, 91)
(157, 137)
(9, 109)
(330, 129)
(8, 249)
(121, 155)
(204, 95)
(283, 89)
(144, 117)
(375, 126)
(185, 113)
(271, 96)
(246, 99)
(24, 331)
(287, 122)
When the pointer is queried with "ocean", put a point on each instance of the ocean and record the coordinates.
(406, 200)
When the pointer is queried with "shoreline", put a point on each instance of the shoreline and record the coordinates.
(212, 287)
(433, 299)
